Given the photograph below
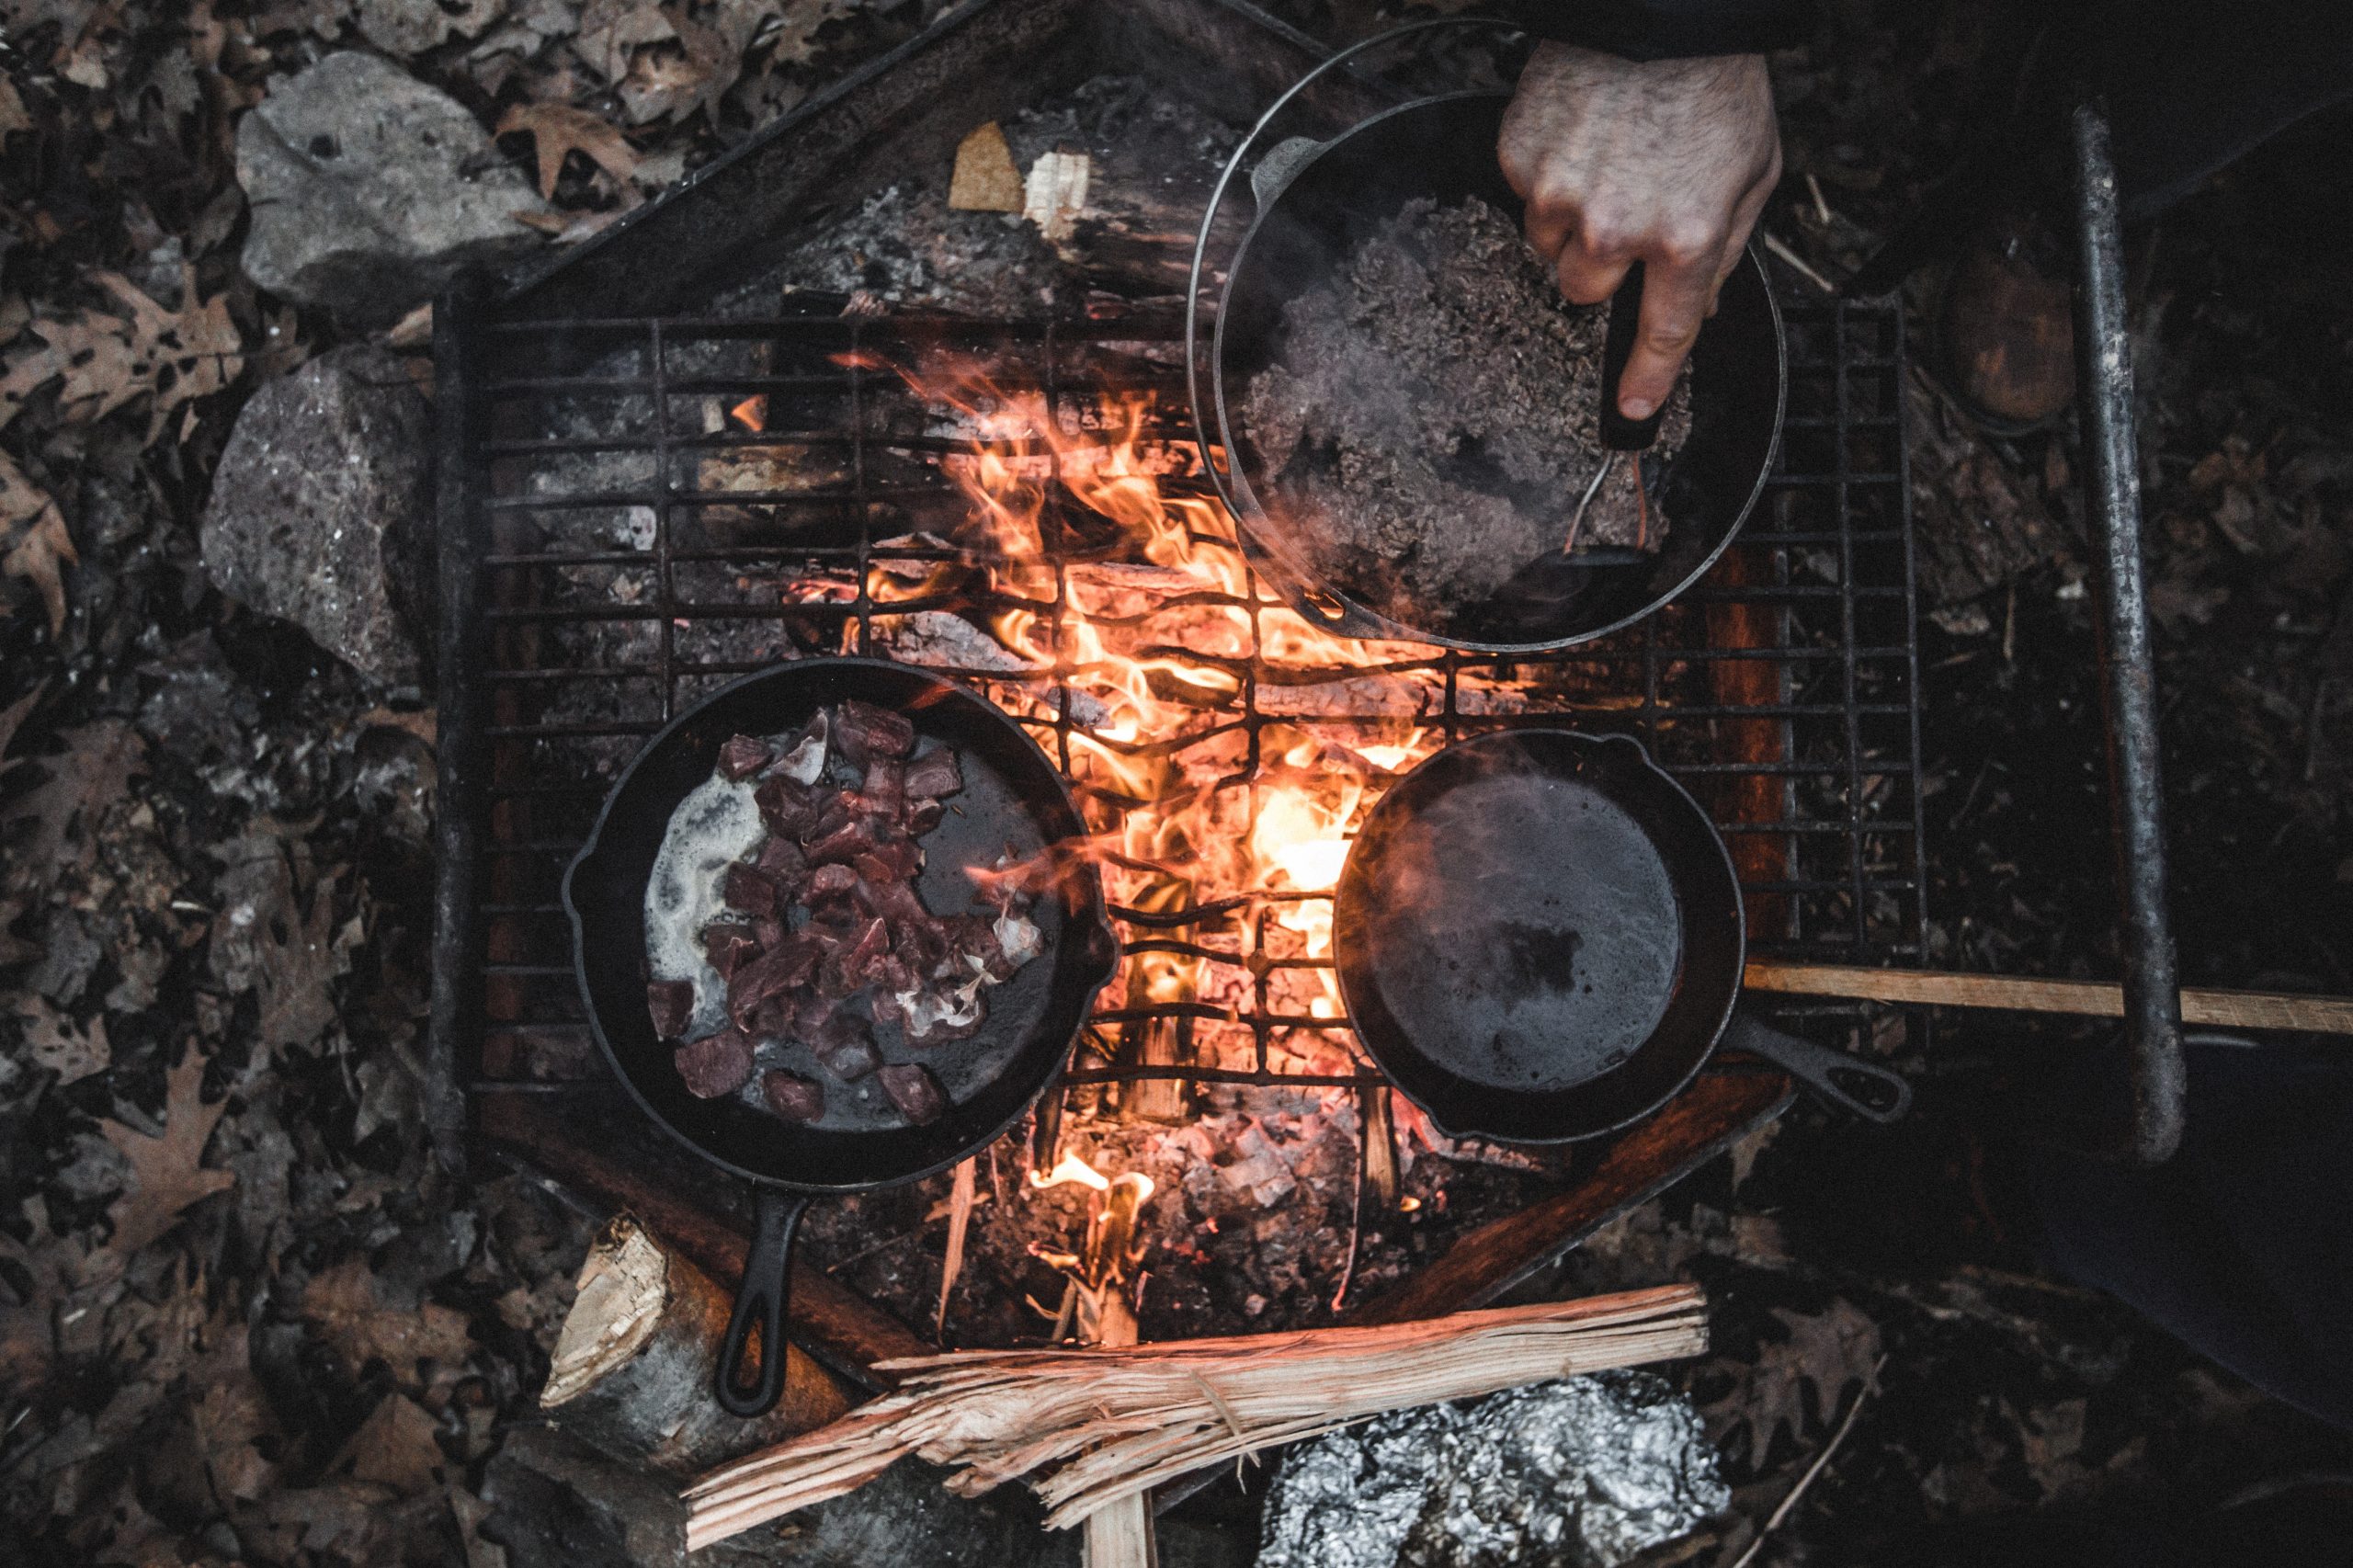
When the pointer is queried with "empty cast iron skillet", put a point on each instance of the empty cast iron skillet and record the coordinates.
(1012, 798)
(1539, 939)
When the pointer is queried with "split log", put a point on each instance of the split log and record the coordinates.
(631, 1372)
(1115, 1423)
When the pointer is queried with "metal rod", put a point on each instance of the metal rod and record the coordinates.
(462, 759)
(2129, 682)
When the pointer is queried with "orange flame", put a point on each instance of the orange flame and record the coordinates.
(1158, 648)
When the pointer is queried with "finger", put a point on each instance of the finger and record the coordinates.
(1589, 275)
(1551, 219)
(1675, 301)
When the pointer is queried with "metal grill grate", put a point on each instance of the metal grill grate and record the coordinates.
(656, 506)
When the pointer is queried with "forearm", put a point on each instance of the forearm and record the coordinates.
(1668, 30)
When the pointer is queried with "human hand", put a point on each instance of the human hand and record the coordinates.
(1664, 162)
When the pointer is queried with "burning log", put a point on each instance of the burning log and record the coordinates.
(631, 1374)
(1116, 1422)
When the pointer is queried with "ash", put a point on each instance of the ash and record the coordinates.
(1586, 1473)
(1431, 415)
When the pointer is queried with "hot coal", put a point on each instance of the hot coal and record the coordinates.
(717, 1065)
(791, 1096)
(1431, 415)
(914, 1091)
(819, 932)
(672, 1004)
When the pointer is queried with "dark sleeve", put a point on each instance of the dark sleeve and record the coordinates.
(1668, 30)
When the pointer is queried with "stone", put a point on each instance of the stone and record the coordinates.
(321, 509)
(369, 189)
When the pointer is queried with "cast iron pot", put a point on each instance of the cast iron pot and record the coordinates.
(1315, 201)
(1539, 939)
(1012, 796)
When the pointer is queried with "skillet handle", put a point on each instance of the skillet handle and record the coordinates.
(768, 1272)
(1865, 1088)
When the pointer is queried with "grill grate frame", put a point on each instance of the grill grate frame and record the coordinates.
(597, 603)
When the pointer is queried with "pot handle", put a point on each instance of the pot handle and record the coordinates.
(1865, 1088)
(1279, 166)
(767, 1274)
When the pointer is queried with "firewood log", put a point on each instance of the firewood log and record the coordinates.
(631, 1372)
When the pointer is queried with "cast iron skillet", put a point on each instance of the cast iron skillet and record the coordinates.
(1314, 202)
(1539, 939)
(1012, 796)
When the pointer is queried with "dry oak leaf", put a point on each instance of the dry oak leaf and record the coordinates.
(393, 1446)
(170, 356)
(168, 1173)
(557, 130)
(343, 1304)
(37, 546)
(1830, 1350)
(93, 772)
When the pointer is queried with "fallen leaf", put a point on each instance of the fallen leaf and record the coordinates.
(612, 31)
(93, 773)
(105, 362)
(168, 1173)
(395, 1445)
(342, 1303)
(984, 178)
(12, 718)
(794, 39)
(54, 1045)
(557, 130)
(39, 547)
(265, 941)
(714, 51)
(1829, 1350)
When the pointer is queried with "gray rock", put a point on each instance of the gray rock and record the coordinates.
(321, 509)
(368, 189)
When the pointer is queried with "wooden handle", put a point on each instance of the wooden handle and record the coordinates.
(2098, 999)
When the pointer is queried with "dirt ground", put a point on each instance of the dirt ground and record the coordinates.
(245, 1316)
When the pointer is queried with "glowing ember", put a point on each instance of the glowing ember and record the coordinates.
(752, 414)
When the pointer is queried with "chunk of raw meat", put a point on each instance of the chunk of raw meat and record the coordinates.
(803, 761)
(884, 793)
(829, 881)
(783, 863)
(672, 1003)
(748, 891)
(914, 1091)
(741, 756)
(788, 807)
(796, 1099)
(863, 732)
(727, 944)
(848, 1054)
(781, 969)
(716, 1064)
(934, 776)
